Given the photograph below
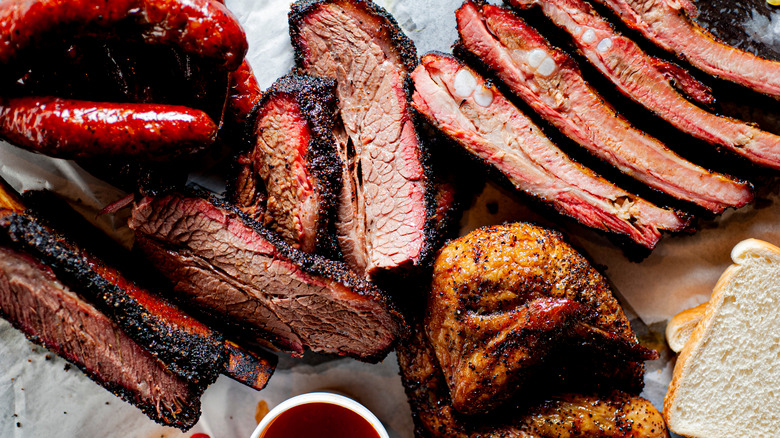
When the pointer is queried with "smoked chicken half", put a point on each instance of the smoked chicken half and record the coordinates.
(514, 305)
(615, 414)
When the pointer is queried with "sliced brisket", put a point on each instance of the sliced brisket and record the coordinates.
(475, 114)
(669, 25)
(359, 45)
(187, 347)
(550, 82)
(290, 178)
(252, 368)
(647, 80)
(52, 315)
(237, 271)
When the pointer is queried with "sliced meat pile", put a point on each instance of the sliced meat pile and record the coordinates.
(460, 103)
(290, 179)
(506, 300)
(610, 415)
(669, 25)
(51, 314)
(550, 82)
(651, 82)
(360, 46)
(241, 274)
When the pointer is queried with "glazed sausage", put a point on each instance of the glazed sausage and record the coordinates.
(204, 28)
(67, 128)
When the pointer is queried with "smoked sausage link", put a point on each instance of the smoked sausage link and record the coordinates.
(66, 128)
(204, 28)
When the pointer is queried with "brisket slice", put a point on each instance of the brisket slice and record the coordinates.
(52, 315)
(293, 159)
(187, 347)
(550, 82)
(669, 25)
(615, 414)
(236, 270)
(361, 46)
(647, 80)
(475, 114)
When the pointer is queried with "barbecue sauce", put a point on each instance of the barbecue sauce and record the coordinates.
(319, 420)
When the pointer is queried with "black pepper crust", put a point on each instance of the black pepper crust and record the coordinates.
(184, 419)
(196, 357)
(314, 264)
(317, 100)
(387, 29)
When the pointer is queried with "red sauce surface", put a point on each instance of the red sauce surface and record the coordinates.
(319, 420)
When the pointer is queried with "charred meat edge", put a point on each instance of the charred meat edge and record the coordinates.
(404, 52)
(178, 402)
(310, 264)
(318, 106)
(187, 347)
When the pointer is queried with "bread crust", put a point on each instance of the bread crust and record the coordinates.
(680, 327)
(739, 255)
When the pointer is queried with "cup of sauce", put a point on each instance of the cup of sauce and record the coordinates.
(321, 415)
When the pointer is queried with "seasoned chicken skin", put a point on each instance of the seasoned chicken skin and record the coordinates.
(617, 414)
(505, 299)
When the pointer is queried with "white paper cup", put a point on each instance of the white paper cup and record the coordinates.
(321, 397)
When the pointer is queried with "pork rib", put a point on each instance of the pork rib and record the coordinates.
(647, 81)
(52, 315)
(294, 163)
(668, 24)
(361, 46)
(549, 81)
(487, 125)
(228, 264)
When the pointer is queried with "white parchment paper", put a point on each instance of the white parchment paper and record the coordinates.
(39, 397)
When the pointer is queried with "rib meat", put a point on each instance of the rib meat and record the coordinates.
(237, 271)
(475, 114)
(615, 414)
(293, 163)
(549, 81)
(52, 315)
(668, 24)
(505, 298)
(360, 46)
(649, 81)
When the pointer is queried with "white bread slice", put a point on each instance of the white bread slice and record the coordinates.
(726, 381)
(680, 327)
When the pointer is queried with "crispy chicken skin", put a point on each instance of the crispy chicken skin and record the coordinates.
(616, 414)
(507, 299)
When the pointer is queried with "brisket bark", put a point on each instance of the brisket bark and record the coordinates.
(52, 315)
(290, 178)
(550, 82)
(236, 271)
(187, 347)
(475, 114)
(650, 82)
(669, 25)
(359, 45)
